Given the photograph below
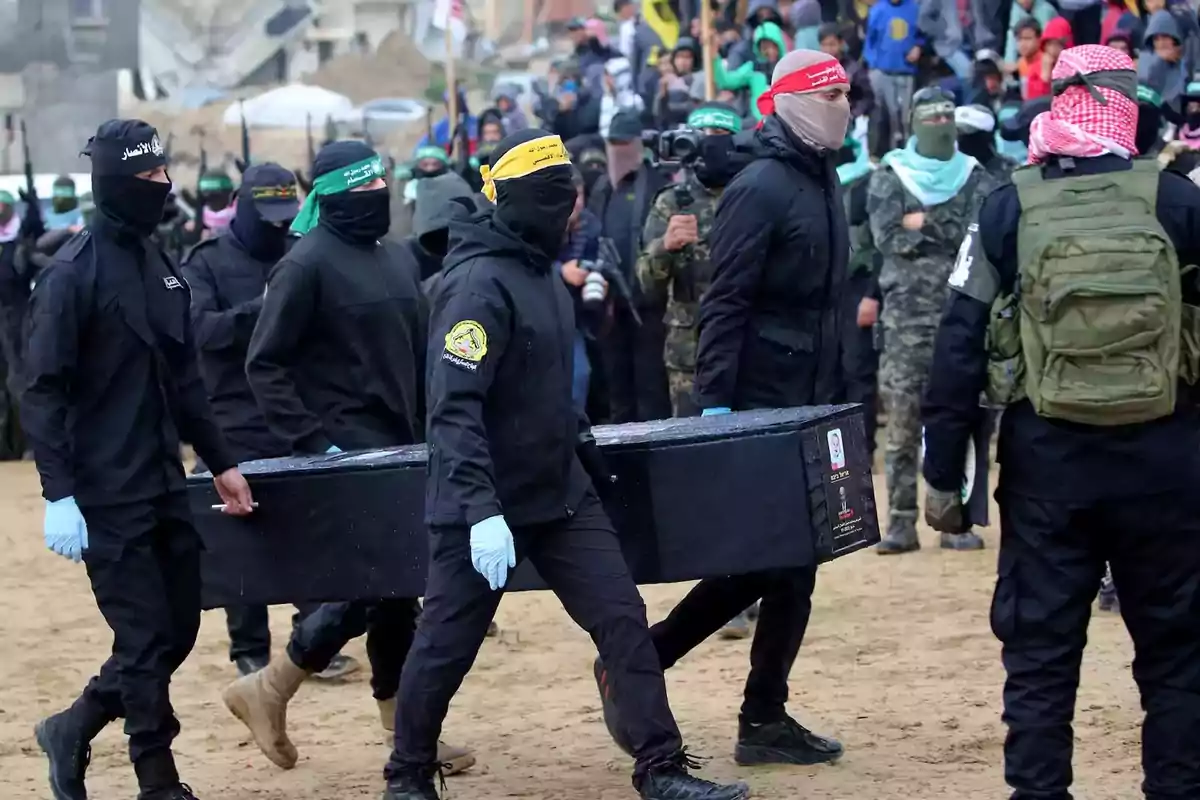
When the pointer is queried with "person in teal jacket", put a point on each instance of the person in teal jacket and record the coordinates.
(754, 76)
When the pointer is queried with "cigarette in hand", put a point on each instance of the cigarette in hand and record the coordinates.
(221, 506)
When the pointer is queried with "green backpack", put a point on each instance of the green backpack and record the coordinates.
(1099, 297)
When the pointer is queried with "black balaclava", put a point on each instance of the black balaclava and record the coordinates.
(120, 150)
(63, 197)
(361, 218)
(264, 241)
(980, 145)
(536, 207)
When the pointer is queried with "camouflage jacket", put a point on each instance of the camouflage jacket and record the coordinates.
(916, 264)
(681, 277)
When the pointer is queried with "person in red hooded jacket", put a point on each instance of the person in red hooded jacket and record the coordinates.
(1055, 38)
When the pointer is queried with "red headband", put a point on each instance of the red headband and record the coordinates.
(813, 77)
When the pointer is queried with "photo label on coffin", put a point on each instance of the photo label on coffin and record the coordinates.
(843, 493)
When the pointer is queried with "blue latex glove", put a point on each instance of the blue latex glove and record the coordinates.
(64, 529)
(333, 448)
(492, 550)
(714, 412)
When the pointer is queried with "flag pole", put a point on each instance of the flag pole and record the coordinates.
(451, 84)
(706, 27)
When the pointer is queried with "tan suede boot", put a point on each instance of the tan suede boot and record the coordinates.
(453, 759)
(260, 701)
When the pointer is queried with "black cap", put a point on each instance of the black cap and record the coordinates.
(626, 126)
(125, 147)
(273, 190)
(577, 24)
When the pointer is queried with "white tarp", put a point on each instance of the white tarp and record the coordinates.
(289, 107)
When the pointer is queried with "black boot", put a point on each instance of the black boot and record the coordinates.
(669, 779)
(412, 785)
(612, 717)
(180, 791)
(784, 741)
(66, 738)
(158, 778)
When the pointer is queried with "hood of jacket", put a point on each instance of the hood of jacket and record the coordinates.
(1058, 28)
(771, 32)
(436, 201)
(1162, 23)
(480, 236)
(754, 6)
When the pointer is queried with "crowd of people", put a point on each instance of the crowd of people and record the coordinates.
(760, 249)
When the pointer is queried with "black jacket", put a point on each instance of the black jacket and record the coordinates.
(337, 356)
(227, 286)
(779, 248)
(1047, 458)
(502, 427)
(113, 381)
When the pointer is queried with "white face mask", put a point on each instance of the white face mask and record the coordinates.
(816, 121)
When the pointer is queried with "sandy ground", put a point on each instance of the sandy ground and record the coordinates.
(899, 664)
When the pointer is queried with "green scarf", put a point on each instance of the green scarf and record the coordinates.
(340, 180)
(861, 165)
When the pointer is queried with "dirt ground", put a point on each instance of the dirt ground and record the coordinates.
(899, 664)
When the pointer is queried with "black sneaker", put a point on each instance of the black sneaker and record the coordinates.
(412, 786)
(670, 780)
(69, 752)
(783, 742)
(248, 665)
(612, 717)
(178, 792)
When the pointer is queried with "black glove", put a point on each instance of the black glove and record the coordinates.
(594, 464)
(944, 511)
(32, 225)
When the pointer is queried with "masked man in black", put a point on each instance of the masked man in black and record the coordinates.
(227, 275)
(336, 362)
(509, 469)
(113, 387)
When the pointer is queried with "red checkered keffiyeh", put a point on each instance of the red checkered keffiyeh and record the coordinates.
(1078, 126)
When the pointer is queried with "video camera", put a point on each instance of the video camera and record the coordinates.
(678, 147)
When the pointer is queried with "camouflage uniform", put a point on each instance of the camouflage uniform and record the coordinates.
(916, 266)
(681, 277)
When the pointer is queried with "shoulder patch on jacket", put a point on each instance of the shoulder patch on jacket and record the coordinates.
(466, 344)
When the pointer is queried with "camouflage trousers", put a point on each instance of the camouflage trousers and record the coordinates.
(680, 384)
(903, 370)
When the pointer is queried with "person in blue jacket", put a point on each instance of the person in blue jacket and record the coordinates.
(892, 50)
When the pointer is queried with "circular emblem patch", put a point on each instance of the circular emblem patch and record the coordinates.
(467, 340)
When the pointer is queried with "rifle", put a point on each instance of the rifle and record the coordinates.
(366, 126)
(244, 164)
(33, 226)
(331, 131)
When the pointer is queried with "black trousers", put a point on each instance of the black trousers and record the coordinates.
(786, 597)
(1052, 556)
(634, 368)
(581, 561)
(250, 630)
(143, 561)
(388, 624)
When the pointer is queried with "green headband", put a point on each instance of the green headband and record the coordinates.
(432, 151)
(336, 182)
(63, 191)
(1152, 98)
(719, 118)
(216, 183)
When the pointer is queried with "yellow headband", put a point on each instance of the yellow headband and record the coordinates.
(524, 159)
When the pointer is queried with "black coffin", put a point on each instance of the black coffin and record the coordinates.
(695, 498)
